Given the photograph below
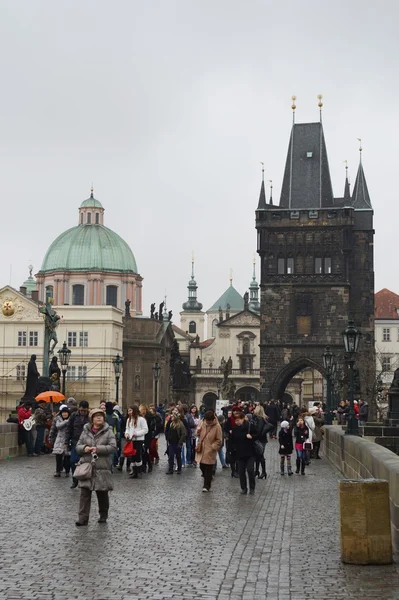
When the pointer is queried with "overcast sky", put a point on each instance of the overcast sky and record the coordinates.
(169, 107)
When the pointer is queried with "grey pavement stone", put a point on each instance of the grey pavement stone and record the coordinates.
(165, 539)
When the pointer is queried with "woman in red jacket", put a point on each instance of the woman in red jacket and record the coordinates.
(25, 412)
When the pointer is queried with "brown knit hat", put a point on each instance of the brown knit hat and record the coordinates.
(96, 411)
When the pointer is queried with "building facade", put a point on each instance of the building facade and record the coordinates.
(317, 270)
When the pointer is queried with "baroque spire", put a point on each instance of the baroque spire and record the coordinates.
(192, 304)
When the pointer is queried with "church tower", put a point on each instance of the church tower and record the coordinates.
(192, 319)
(317, 266)
(254, 303)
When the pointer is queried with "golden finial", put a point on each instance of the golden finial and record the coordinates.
(263, 170)
(293, 105)
(254, 259)
(231, 276)
(360, 144)
(91, 191)
(320, 98)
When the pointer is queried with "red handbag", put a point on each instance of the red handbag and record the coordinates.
(129, 449)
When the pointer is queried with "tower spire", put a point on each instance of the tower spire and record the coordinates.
(192, 304)
(254, 290)
(231, 277)
(271, 192)
(347, 192)
(262, 196)
(92, 191)
(293, 106)
(320, 105)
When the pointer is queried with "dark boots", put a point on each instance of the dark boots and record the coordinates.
(298, 465)
(74, 483)
(303, 468)
(133, 474)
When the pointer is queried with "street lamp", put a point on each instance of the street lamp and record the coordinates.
(351, 337)
(65, 355)
(117, 362)
(328, 361)
(156, 370)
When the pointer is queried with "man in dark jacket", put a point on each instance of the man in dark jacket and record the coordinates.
(41, 418)
(273, 412)
(363, 412)
(243, 436)
(75, 427)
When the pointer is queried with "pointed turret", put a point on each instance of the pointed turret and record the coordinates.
(262, 205)
(192, 304)
(271, 193)
(360, 196)
(347, 191)
(254, 291)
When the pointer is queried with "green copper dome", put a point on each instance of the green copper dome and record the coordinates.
(91, 203)
(89, 248)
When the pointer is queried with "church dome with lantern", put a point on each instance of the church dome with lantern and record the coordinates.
(90, 264)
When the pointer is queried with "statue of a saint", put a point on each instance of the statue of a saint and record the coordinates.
(127, 308)
(395, 381)
(32, 378)
(152, 311)
(170, 315)
(246, 301)
(160, 313)
(50, 323)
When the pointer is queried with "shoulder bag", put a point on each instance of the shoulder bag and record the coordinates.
(84, 470)
(258, 448)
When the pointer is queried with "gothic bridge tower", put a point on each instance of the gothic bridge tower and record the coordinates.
(317, 268)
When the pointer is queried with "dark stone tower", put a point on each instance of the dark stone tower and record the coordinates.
(316, 267)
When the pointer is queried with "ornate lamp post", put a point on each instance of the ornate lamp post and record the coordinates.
(65, 355)
(351, 337)
(156, 371)
(117, 362)
(328, 361)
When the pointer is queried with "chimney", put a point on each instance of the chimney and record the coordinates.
(22, 290)
(35, 295)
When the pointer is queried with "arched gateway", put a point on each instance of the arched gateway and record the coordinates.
(283, 378)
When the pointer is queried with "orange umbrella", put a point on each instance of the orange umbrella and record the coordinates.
(50, 396)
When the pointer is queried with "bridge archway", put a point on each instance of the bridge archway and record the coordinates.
(289, 371)
(247, 393)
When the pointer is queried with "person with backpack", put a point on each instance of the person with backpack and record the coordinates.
(75, 426)
(263, 427)
(189, 422)
(157, 430)
(150, 435)
(175, 434)
(113, 420)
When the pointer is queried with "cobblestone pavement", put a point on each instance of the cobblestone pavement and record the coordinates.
(166, 539)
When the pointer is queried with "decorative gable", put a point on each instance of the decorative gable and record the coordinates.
(16, 307)
(242, 319)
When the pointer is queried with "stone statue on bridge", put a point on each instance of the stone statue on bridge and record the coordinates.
(51, 319)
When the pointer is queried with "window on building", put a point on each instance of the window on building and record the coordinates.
(281, 266)
(327, 265)
(192, 327)
(290, 266)
(83, 338)
(112, 295)
(82, 373)
(72, 339)
(386, 363)
(71, 373)
(33, 338)
(246, 347)
(21, 338)
(318, 265)
(97, 218)
(214, 325)
(49, 292)
(78, 295)
(88, 218)
(386, 334)
(21, 372)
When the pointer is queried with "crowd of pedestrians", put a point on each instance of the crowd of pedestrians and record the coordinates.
(91, 444)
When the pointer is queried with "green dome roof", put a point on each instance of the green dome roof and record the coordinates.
(89, 248)
(91, 203)
(231, 297)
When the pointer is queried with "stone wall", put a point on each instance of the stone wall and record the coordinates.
(9, 441)
(358, 458)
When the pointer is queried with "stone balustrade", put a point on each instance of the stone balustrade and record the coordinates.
(358, 458)
(9, 441)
